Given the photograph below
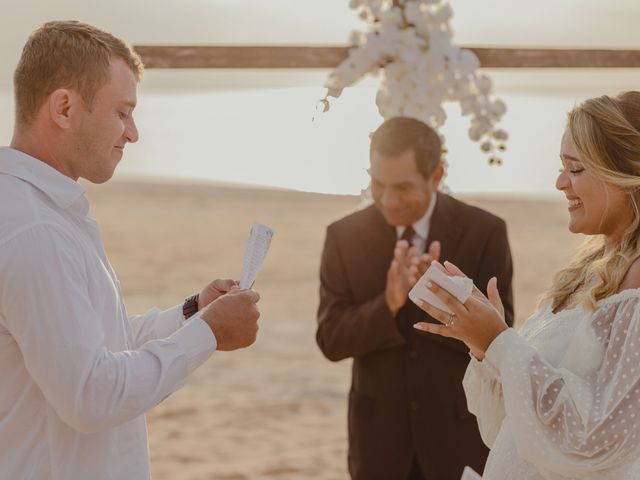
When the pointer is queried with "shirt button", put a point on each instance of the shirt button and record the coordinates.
(414, 405)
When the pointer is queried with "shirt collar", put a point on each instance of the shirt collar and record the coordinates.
(421, 226)
(62, 190)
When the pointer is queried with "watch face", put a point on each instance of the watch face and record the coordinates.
(190, 306)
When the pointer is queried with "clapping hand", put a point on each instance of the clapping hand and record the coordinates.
(423, 262)
(405, 269)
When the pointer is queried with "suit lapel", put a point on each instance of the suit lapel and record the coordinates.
(378, 242)
(445, 227)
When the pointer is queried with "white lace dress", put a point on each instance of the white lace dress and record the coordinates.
(560, 399)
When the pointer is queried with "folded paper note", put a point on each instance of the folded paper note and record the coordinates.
(255, 253)
(458, 286)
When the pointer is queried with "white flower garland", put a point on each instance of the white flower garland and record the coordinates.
(409, 43)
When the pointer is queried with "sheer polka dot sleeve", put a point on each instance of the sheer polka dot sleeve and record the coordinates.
(484, 398)
(582, 416)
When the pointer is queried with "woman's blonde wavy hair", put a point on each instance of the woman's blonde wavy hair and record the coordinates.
(605, 131)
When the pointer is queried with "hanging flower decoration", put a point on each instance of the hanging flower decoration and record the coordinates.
(408, 42)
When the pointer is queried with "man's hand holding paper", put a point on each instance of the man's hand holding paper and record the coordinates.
(230, 307)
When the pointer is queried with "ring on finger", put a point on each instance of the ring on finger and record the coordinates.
(451, 321)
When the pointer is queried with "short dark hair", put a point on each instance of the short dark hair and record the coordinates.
(399, 134)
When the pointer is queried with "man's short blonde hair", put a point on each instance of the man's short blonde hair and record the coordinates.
(66, 54)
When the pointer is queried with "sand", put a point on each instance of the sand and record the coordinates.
(278, 409)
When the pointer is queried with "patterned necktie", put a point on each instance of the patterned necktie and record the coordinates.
(408, 235)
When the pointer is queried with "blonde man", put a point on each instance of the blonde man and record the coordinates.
(76, 372)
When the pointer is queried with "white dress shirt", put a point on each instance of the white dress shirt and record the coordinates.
(76, 373)
(421, 227)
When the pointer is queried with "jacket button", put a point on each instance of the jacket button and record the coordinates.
(413, 354)
(414, 405)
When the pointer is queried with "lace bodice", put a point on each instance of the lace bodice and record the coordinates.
(560, 399)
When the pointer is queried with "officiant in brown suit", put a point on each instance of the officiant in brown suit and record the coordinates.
(407, 417)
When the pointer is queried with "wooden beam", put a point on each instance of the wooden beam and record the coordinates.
(241, 57)
(330, 57)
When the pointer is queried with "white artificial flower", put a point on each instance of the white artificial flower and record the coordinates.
(500, 135)
(440, 41)
(392, 18)
(483, 83)
(334, 92)
(442, 14)
(481, 124)
(410, 44)
(357, 38)
(498, 108)
(474, 134)
(414, 14)
(467, 62)
(486, 147)
(440, 116)
(414, 110)
(376, 6)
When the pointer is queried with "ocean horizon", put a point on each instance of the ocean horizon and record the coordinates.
(233, 130)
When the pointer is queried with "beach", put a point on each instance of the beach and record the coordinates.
(278, 409)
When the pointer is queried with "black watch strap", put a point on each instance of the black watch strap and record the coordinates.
(190, 306)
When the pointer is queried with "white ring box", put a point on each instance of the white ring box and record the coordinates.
(458, 286)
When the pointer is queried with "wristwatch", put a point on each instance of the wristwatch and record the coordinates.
(190, 306)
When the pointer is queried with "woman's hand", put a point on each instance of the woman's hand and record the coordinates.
(477, 322)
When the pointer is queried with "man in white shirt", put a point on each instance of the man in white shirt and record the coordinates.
(77, 373)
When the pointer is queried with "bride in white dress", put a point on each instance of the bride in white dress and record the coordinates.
(560, 398)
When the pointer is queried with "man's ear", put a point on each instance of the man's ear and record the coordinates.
(437, 175)
(62, 103)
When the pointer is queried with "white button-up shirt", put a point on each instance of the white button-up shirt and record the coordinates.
(76, 373)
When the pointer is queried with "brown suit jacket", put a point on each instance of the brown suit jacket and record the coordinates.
(406, 395)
